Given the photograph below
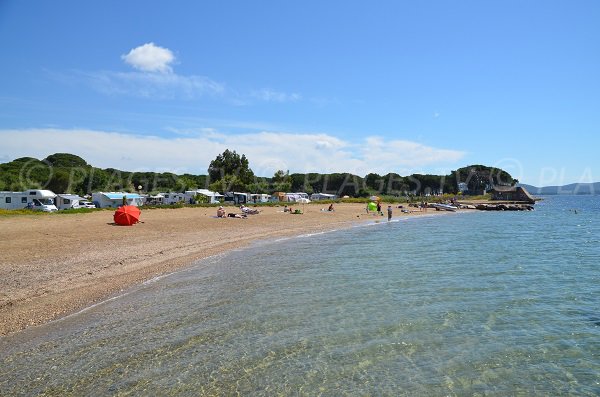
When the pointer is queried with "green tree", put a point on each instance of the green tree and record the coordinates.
(281, 181)
(95, 180)
(201, 199)
(228, 183)
(231, 164)
(260, 186)
(281, 176)
(59, 182)
(65, 160)
(375, 182)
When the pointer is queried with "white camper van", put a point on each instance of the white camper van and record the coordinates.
(71, 201)
(35, 199)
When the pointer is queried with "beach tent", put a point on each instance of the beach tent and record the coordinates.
(278, 196)
(372, 206)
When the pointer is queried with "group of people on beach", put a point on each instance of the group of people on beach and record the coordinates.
(245, 212)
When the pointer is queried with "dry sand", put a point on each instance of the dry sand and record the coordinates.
(53, 265)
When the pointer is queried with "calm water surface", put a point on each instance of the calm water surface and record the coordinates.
(492, 304)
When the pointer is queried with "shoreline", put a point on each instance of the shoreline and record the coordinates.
(56, 266)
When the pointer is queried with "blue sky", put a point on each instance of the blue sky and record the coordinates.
(306, 86)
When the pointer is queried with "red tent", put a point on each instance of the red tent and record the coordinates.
(127, 215)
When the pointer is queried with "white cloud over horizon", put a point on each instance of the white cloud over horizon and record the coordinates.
(267, 151)
(150, 58)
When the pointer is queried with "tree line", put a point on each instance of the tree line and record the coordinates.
(230, 171)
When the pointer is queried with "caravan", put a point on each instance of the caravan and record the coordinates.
(209, 196)
(296, 197)
(237, 198)
(71, 201)
(172, 198)
(260, 198)
(35, 199)
(322, 196)
(116, 199)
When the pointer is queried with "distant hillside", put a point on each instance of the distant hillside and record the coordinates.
(573, 188)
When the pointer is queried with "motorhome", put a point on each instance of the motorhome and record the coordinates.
(71, 201)
(35, 199)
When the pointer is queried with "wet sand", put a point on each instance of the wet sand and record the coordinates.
(53, 265)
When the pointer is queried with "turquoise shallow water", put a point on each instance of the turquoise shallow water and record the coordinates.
(481, 303)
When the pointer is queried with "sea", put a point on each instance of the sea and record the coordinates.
(468, 304)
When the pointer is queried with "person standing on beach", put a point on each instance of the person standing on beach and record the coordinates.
(389, 213)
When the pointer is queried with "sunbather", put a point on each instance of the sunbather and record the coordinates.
(248, 211)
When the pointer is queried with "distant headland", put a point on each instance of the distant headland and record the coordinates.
(573, 189)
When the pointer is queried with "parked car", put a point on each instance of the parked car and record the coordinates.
(86, 204)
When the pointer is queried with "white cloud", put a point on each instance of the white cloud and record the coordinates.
(150, 58)
(267, 151)
(156, 79)
(406, 154)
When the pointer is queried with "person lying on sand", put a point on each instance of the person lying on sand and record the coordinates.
(243, 216)
(248, 211)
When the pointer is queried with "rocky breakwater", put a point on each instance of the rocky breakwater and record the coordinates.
(504, 207)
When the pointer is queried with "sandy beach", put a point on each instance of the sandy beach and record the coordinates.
(53, 265)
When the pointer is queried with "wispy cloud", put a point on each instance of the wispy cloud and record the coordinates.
(267, 151)
(269, 95)
(153, 85)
